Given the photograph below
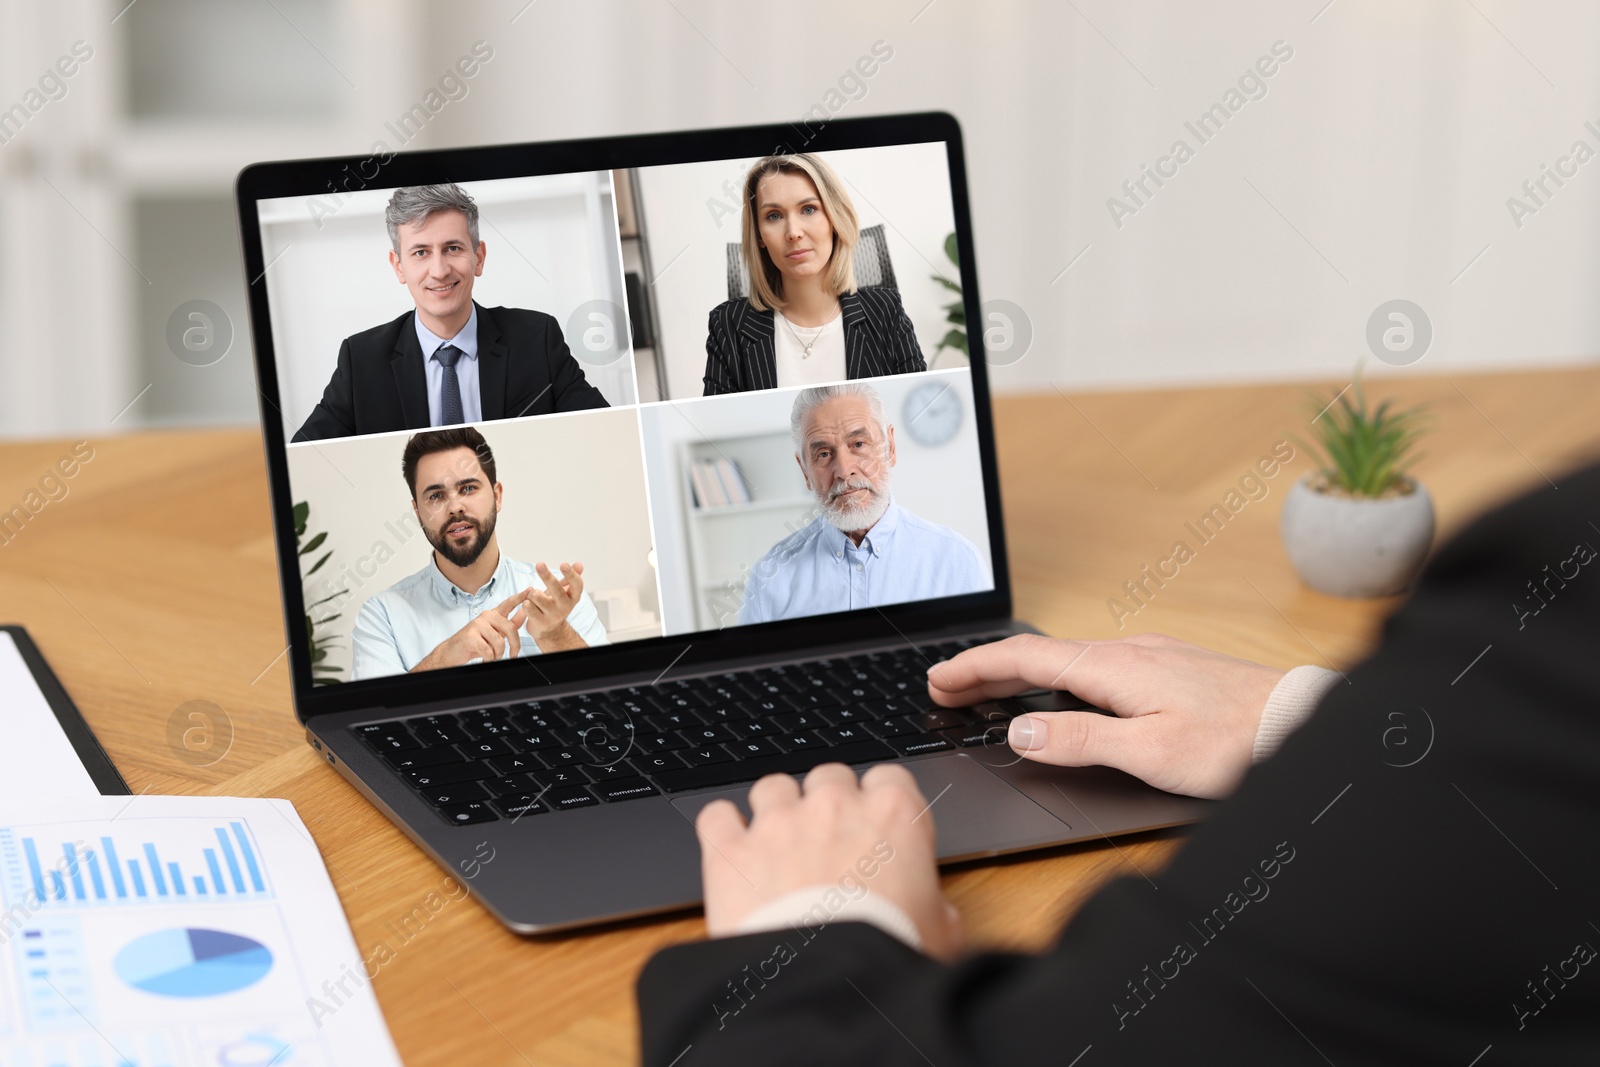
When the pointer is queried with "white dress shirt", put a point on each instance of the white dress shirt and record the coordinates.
(466, 369)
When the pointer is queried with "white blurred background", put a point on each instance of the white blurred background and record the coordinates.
(1378, 165)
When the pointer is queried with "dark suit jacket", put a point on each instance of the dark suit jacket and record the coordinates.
(1435, 888)
(878, 339)
(380, 384)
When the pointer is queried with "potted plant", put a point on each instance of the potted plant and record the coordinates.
(322, 672)
(1359, 525)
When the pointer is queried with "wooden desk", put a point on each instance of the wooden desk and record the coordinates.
(152, 583)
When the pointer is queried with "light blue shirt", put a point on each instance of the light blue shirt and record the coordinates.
(397, 628)
(818, 569)
(466, 369)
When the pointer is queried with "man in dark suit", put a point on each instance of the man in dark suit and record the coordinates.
(450, 361)
(1412, 878)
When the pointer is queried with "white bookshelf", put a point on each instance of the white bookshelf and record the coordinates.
(726, 540)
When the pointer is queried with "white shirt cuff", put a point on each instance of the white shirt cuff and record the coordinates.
(819, 905)
(1291, 703)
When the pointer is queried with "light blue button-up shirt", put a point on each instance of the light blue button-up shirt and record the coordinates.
(397, 628)
(818, 569)
(466, 369)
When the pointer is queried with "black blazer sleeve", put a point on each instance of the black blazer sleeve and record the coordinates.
(1411, 879)
(335, 413)
(722, 351)
(569, 389)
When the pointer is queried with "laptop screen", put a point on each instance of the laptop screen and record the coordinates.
(526, 416)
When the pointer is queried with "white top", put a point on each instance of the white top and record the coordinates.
(826, 361)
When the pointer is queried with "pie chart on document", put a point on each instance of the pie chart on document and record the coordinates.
(191, 962)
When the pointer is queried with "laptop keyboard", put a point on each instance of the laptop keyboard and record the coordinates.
(615, 745)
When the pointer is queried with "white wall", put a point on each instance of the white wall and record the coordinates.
(551, 246)
(1390, 144)
(942, 484)
(574, 491)
(690, 220)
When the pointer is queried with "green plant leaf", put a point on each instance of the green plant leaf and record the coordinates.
(316, 542)
(951, 251)
(946, 282)
(955, 339)
(318, 565)
(957, 315)
(302, 511)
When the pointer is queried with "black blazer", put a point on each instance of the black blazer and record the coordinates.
(878, 339)
(1411, 879)
(380, 383)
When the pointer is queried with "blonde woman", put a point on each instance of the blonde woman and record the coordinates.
(805, 322)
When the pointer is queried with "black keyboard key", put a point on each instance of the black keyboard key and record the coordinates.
(653, 743)
(388, 737)
(449, 774)
(708, 734)
(851, 713)
(938, 719)
(755, 746)
(417, 758)
(659, 761)
(748, 770)
(701, 757)
(813, 699)
(564, 757)
(980, 733)
(606, 772)
(916, 744)
(535, 720)
(469, 813)
(847, 734)
(489, 746)
(755, 728)
(724, 711)
(486, 728)
(534, 740)
(506, 784)
(802, 739)
(443, 795)
(518, 764)
(561, 776)
(897, 727)
(672, 720)
(564, 797)
(438, 730)
(769, 706)
(793, 721)
(515, 807)
(626, 789)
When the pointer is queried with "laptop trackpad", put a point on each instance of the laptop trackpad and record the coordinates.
(976, 813)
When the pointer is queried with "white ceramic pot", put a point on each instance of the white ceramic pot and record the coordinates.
(1355, 546)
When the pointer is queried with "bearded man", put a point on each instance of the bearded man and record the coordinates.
(470, 603)
(863, 549)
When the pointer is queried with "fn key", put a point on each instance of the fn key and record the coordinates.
(469, 813)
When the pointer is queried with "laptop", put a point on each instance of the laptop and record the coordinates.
(576, 533)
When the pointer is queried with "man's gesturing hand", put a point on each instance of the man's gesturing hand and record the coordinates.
(549, 607)
(486, 637)
(1186, 716)
(819, 836)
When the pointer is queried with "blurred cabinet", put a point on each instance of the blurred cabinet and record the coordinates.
(120, 187)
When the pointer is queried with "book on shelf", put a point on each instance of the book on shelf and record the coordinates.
(718, 483)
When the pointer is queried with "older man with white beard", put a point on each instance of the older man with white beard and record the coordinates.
(864, 549)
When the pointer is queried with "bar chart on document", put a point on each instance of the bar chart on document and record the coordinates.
(147, 943)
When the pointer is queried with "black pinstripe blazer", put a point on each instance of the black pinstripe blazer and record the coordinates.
(878, 339)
